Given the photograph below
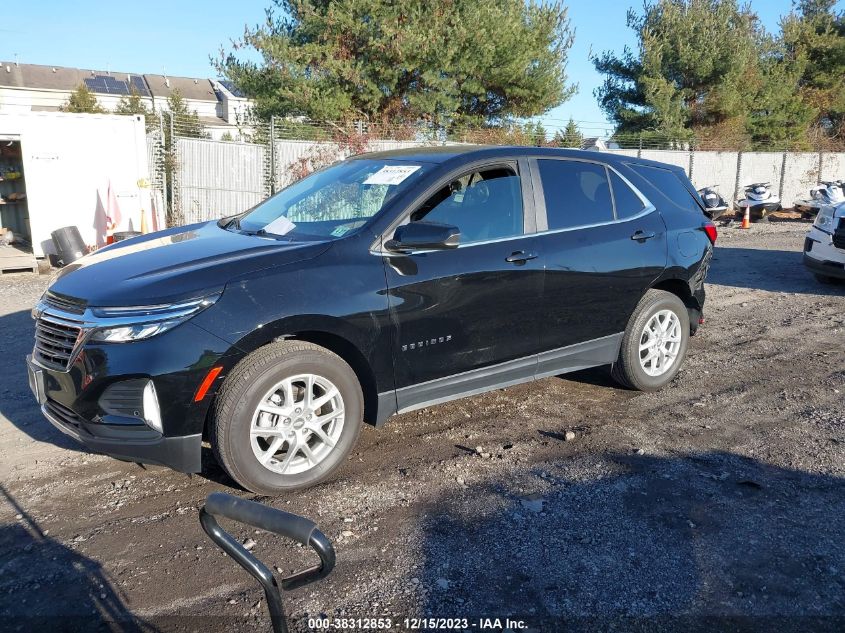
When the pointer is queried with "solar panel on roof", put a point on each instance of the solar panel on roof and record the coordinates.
(95, 84)
(228, 85)
(140, 86)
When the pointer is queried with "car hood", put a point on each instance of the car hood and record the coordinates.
(175, 264)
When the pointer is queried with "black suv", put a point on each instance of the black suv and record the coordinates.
(385, 283)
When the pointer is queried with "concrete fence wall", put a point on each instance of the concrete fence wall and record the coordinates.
(213, 179)
(791, 173)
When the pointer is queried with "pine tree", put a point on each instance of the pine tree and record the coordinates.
(690, 69)
(186, 122)
(815, 35)
(570, 136)
(134, 104)
(454, 63)
(705, 70)
(82, 100)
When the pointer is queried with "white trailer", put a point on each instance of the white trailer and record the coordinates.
(69, 163)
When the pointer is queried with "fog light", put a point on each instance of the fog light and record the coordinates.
(152, 413)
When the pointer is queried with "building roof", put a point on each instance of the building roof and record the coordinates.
(189, 88)
(38, 77)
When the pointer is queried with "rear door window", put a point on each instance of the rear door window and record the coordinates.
(669, 185)
(577, 193)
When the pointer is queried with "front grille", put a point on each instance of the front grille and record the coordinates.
(65, 302)
(839, 235)
(55, 340)
(62, 413)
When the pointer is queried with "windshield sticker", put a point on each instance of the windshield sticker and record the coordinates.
(391, 174)
(280, 226)
(343, 229)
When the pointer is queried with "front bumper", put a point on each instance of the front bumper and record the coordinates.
(80, 400)
(181, 453)
(827, 268)
(821, 256)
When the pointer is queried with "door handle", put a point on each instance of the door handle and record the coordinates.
(520, 257)
(642, 236)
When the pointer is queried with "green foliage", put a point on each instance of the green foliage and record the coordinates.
(186, 122)
(570, 136)
(706, 71)
(134, 104)
(693, 61)
(458, 62)
(227, 137)
(814, 35)
(777, 115)
(534, 133)
(82, 100)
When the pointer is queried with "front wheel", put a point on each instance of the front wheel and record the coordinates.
(654, 344)
(286, 417)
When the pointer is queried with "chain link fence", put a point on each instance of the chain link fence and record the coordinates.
(204, 172)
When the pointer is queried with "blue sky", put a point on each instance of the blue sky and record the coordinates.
(154, 35)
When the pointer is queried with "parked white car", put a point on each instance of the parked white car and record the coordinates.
(824, 246)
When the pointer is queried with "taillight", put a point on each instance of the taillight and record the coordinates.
(712, 234)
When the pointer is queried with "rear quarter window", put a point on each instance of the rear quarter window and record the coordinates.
(628, 204)
(668, 185)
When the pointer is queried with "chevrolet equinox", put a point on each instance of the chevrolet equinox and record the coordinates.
(384, 283)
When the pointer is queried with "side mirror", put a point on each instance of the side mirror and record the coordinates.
(424, 236)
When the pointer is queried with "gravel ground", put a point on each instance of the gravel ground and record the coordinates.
(568, 503)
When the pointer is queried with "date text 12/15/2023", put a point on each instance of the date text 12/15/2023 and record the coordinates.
(417, 624)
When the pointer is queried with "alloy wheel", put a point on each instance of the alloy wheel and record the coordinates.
(297, 424)
(660, 342)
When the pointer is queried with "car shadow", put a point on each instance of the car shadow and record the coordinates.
(709, 541)
(771, 270)
(17, 404)
(595, 376)
(69, 592)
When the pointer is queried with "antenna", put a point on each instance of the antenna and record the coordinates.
(16, 59)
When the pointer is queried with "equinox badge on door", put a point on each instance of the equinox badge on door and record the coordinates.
(427, 343)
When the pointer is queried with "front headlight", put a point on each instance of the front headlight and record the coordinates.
(135, 323)
(824, 219)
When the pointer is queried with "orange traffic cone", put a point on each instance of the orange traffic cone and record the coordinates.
(746, 219)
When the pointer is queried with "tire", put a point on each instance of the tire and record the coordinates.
(270, 376)
(628, 370)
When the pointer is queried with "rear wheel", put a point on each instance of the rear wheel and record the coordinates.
(286, 417)
(655, 342)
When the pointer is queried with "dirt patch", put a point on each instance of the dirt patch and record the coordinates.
(720, 497)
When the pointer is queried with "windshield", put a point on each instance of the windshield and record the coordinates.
(333, 202)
